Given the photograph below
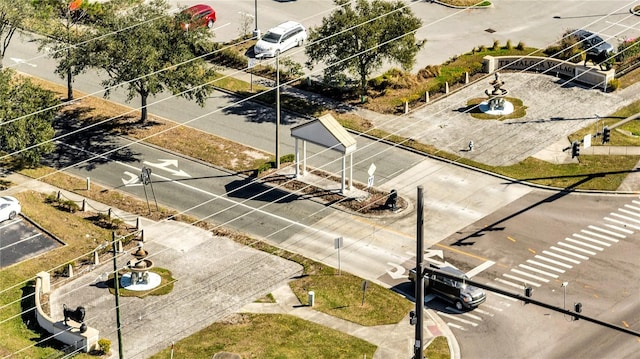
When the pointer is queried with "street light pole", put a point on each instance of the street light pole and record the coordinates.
(277, 110)
(256, 32)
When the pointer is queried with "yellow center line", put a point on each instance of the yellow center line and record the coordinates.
(626, 325)
(511, 239)
(532, 251)
(461, 252)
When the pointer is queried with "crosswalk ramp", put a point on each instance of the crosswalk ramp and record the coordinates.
(551, 263)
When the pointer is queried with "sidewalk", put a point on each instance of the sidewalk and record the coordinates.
(393, 341)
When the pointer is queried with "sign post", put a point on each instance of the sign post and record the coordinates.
(337, 243)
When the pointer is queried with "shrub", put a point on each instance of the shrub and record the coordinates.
(520, 46)
(482, 48)
(496, 45)
(430, 71)
(69, 205)
(613, 85)
(509, 46)
(105, 345)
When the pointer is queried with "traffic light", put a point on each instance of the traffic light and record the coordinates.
(575, 149)
(528, 292)
(606, 134)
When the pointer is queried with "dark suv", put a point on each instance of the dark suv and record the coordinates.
(591, 42)
(461, 294)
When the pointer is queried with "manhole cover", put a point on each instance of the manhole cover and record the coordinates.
(490, 30)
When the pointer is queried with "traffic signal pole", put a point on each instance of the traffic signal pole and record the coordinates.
(419, 282)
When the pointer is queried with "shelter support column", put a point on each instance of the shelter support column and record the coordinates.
(304, 157)
(344, 172)
(350, 171)
(297, 159)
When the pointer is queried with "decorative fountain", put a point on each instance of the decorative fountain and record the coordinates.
(140, 276)
(496, 104)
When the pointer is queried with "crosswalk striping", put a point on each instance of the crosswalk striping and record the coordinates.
(625, 217)
(545, 266)
(517, 271)
(549, 260)
(632, 213)
(586, 238)
(576, 248)
(564, 258)
(519, 286)
(484, 312)
(569, 239)
(632, 207)
(569, 253)
(603, 230)
(619, 229)
(541, 271)
(459, 327)
(594, 234)
(472, 316)
(458, 318)
(521, 280)
(621, 222)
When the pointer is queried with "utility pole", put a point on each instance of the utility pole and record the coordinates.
(417, 350)
(277, 110)
(116, 285)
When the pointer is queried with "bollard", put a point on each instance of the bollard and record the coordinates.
(426, 96)
(96, 259)
(312, 298)
(88, 183)
(466, 77)
(109, 213)
(58, 196)
(69, 270)
(406, 107)
(119, 246)
(84, 205)
(137, 222)
(446, 87)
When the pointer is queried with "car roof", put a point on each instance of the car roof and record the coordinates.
(198, 8)
(284, 27)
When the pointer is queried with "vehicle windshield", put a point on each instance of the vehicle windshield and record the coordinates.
(271, 37)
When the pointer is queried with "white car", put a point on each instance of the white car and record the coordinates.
(9, 208)
(280, 39)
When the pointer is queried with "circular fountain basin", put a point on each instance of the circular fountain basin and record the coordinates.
(506, 109)
(153, 280)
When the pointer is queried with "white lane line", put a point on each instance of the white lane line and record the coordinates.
(581, 236)
(568, 266)
(569, 253)
(519, 286)
(483, 312)
(625, 217)
(456, 326)
(480, 268)
(561, 257)
(621, 222)
(602, 236)
(517, 271)
(524, 281)
(541, 271)
(568, 239)
(603, 230)
(545, 266)
(619, 229)
(632, 213)
(458, 318)
(576, 248)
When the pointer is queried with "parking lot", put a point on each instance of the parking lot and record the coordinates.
(20, 239)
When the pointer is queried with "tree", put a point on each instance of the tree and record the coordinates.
(360, 39)
(63, 41)
(11, 15)
(26, 115)
(144, 50)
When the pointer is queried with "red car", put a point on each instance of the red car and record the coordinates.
(200, 16)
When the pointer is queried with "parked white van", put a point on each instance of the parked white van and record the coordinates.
(280, 39)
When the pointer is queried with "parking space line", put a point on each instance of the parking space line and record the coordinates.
(23, 240)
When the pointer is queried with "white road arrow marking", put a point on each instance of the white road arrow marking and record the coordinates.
(132, 181)
(167, 163)
(397, 272)
(21, 61)
(428, 253)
